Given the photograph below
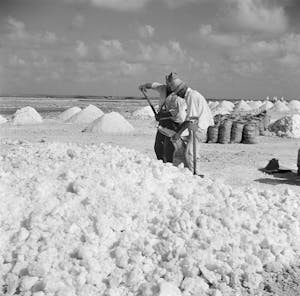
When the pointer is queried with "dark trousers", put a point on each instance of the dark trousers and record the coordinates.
(163, 146)
(159, 146)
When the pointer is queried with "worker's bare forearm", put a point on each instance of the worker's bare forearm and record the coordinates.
(147, 85)
(184, 126)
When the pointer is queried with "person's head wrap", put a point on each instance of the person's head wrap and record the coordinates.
(174, 82)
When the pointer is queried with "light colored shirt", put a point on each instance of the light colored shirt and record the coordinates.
(177, 107)
(198, 107)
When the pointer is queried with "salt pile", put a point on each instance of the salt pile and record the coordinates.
(267, 105)
(223, 108)
(213, 104)
(279, 107)
(69, 113)
(87, 115)
(294, 105)
(26, 115)
(242, 106)
(2, 119)
(145, 112)
(227, 104)
(288, 126)
(220, 110)
(102, 220)
(110, 123)
(254, 104)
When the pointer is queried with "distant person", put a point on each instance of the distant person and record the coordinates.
(171, 114)
(197, 111)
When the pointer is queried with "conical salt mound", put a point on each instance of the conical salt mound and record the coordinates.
(213, 104)
(267, 105)
(280, 107)
(242, 106)
(2, 119)
(220, 110)
(68, 113)
(145, 112)
(288, 126)
(254, 104)
(227, 104)
(294, 105)
(110, 123)
(87, 115)
(26, 115)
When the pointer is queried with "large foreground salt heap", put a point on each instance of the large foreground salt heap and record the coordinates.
(110, 123)
(144, 112)
(87, 115)
(69, 113)
(288, 126)
(26, 115)
(102, 220)
(2, 119)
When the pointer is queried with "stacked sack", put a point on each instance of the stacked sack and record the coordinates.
(225, 131)
(237, 128)
(237, 131)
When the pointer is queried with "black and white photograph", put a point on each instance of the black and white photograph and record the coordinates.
(150, 147)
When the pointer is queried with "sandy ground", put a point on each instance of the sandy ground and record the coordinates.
(235, 164)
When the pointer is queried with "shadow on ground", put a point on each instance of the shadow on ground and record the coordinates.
(288, 178)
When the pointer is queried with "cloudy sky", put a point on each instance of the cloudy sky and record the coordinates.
(223, 48)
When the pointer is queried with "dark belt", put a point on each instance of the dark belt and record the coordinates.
(170, 124)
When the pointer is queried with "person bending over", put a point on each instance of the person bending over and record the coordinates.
(171, 114)
(197, 108)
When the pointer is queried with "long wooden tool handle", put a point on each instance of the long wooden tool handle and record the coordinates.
(149, 102)
(194, 153)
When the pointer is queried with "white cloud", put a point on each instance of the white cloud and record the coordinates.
(291, 42)
(247, 68)
(87, 71)
(220, 39)
(77, 21)
(168, 53)
(177, 3)
(122, 5)
(17, 32)
(290, 60)
(55, 75)
(16, 61)
(110, 49)
(38, 60)
(48, 37)
(146, 31)
(131, 68)
(81, 49)
(16, 29)
(257, 15)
